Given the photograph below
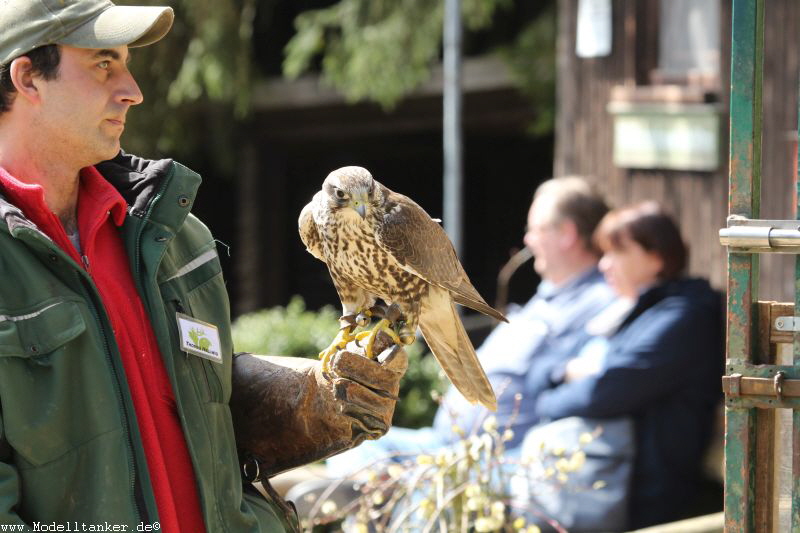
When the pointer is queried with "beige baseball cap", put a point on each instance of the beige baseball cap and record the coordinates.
(29, 24)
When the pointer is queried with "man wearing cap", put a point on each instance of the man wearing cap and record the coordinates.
(122, 404)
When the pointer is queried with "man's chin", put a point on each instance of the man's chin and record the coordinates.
(109, 152)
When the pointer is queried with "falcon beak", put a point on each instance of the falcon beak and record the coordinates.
(360, 208)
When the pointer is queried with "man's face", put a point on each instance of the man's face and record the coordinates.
(82, 113)
(545, 237)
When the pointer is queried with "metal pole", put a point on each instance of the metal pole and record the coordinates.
(453, 173)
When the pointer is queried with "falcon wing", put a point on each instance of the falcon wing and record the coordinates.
(422, 247)
(308, 231)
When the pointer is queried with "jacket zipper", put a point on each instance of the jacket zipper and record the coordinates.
(138, 246)
(135, 486)
(86, 284)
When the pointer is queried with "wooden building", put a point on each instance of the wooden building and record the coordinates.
(645, 114)
(643, 108)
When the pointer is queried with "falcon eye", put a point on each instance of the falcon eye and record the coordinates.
(340, 194)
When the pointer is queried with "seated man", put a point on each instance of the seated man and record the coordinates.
(550, 327)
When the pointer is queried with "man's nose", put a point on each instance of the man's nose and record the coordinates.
(528, 239)
(129, 91)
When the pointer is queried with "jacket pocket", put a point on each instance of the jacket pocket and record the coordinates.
(44, 353)
(38, 332)
(208, 302)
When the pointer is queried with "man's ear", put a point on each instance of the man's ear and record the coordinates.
(568, 234)
(23, 78)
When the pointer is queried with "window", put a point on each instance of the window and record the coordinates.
(689, 42)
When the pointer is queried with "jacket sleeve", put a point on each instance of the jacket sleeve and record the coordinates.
(657, 354)
(9, 484)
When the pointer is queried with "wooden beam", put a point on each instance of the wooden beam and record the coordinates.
(481, 74)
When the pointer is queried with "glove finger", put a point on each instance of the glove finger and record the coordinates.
(366, 423)
(370, 373)
(358, 399)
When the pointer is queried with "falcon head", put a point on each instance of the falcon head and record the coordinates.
(352, 188)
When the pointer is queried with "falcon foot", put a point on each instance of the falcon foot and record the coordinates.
(407, 336)
(370, 336)
(344, 336)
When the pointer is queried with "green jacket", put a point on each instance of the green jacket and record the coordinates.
(69, 445)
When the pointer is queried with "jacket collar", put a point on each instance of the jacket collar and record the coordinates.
(141, 182)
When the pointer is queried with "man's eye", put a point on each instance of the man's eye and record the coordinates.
(104, 64)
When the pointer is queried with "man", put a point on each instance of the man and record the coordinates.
(119, 390)
(551, 326)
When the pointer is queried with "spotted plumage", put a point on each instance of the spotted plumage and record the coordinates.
(381, 244)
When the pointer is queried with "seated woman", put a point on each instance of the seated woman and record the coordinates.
(660, 366)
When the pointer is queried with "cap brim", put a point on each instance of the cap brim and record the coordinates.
(122, 25)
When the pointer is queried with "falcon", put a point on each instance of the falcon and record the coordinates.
(380, 244)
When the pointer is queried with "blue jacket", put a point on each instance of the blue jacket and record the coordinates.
(663, 368)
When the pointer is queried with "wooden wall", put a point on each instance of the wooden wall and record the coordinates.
(584, 140)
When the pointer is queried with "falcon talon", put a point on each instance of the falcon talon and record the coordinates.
(393, 313)
(378, 311)
(344, 336)
(350, 319)
(362, 319)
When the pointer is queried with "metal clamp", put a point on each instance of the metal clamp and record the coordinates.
(787, 323)
(761, 236)
(778, 386)
(732, 385)
(777, 383)
(251, 470)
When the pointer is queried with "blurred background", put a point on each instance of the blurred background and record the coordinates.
(265, 97)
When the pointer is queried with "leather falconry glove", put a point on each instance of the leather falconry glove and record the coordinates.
(287, 412)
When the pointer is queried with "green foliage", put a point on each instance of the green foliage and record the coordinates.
(290, 330)
(295, 331)
(194, 80)
(377, 50)
(217, 62)
(202, 73)
(532, 60)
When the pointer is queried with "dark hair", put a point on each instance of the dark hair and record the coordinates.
(577, 201)
(650, 227)
(44, 61)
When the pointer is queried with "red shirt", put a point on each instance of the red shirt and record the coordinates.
(101, 210)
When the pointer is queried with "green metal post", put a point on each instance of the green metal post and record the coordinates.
(796, 360)
(747, 53)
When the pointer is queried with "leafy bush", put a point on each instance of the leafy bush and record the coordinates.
(295, 331)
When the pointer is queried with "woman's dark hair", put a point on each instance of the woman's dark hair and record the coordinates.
(44, 61)
(650, 227)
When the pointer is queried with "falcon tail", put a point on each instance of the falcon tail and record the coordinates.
(443, 331)
(480, 306)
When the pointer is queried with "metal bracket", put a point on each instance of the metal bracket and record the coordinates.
(744, 235)
(787, 323)
(778, 387)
